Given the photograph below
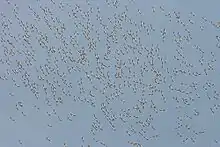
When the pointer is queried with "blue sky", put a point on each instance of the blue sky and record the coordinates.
(67, 84)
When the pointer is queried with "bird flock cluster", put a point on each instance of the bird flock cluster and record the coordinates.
(90, 74)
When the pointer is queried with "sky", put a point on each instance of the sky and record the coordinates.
(109, 73)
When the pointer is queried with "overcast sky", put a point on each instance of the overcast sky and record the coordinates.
(63, 107)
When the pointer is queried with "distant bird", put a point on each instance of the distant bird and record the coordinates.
(218, 24)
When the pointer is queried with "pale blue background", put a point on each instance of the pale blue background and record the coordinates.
(33, 129)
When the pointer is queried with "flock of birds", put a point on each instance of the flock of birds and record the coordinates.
(108, 74)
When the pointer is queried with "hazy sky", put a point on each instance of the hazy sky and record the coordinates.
(38, 119)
